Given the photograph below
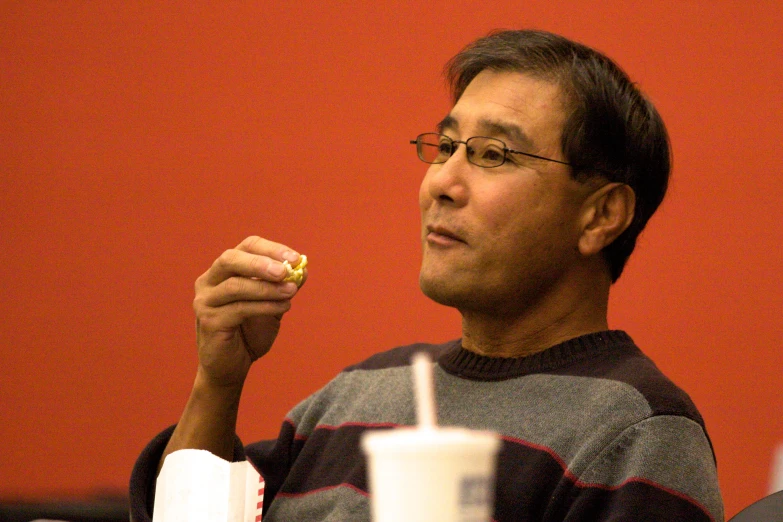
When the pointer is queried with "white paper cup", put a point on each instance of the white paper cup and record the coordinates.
(431, 475)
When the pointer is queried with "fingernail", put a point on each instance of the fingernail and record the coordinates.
(288, 288)
(290, 255)
(276, 269)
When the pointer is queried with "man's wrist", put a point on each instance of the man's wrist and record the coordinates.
(216, 393)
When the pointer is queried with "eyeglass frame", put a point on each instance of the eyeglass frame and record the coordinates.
(454, 144)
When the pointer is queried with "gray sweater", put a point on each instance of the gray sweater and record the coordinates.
(591, 431)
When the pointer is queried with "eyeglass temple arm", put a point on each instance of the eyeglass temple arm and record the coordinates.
(534, 156)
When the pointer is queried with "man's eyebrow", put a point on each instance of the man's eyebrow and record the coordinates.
(508, 130)
(493, 129)
(449, 122)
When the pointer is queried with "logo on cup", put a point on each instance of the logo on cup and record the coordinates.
(474, 491)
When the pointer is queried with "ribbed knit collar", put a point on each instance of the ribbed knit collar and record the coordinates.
(458, 361)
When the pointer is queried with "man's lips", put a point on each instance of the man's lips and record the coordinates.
(443, 236)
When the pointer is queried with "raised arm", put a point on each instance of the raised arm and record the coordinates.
(239, 303)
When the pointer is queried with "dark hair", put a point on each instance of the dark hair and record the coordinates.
(612, 129)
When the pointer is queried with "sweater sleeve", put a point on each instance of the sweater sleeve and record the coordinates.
(661, 468)
(145, 472)
(273, 459)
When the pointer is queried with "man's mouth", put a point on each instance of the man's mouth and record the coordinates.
(443, 236)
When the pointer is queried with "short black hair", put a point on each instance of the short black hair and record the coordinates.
(612, 129)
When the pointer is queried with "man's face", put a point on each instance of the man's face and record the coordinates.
(501, 239)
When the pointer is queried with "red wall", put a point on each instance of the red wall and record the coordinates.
(140, 141)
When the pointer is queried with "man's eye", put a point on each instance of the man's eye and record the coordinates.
(444, 147)
(492, 155)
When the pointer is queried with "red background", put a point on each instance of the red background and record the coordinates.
(139, 141)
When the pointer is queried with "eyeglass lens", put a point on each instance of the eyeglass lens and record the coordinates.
(481, 151)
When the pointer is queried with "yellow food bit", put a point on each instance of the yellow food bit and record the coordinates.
(296, 273)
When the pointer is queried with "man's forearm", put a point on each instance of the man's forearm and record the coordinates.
(208, 421)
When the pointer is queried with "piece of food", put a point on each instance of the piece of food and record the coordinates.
(296, 273)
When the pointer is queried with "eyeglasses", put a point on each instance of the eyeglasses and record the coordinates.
(481, 150)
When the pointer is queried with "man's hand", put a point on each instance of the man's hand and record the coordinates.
(239, 303)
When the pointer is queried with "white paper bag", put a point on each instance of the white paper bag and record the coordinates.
(197, 486)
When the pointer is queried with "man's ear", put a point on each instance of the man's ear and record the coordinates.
(606, 214)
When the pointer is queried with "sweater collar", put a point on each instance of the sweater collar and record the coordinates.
(458, 361)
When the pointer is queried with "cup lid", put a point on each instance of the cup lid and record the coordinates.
(432, 439)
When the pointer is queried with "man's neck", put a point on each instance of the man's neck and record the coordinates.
(536, 328)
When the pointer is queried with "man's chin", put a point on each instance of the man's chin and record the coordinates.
(442, 291)
(465, 294)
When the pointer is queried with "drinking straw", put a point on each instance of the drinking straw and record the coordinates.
(425, 395)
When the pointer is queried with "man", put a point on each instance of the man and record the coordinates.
(541, 177)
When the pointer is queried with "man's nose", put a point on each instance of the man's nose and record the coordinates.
(448, 182)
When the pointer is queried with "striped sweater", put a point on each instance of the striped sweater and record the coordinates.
(591, 431)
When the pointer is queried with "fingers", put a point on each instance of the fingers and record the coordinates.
(233, 314)
(254, 257)
(243, 282)
(264, 247)
(247, 289)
